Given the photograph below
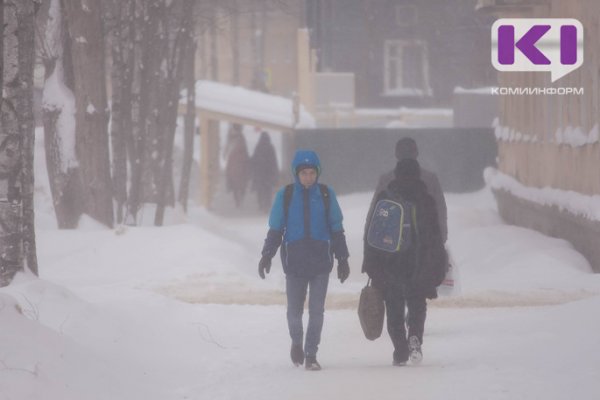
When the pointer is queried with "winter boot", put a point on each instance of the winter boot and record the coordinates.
(400, 356)
(414, 350)
(311, 364)
(297, 354)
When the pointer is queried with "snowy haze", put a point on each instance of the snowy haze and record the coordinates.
(179, 312)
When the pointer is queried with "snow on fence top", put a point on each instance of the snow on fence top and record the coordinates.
(572, 136)
(576, 203)
(245, 103)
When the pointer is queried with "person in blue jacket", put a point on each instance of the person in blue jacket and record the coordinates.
(306, 221)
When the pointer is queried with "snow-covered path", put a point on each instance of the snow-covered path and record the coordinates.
(106, 320)
(470, 354)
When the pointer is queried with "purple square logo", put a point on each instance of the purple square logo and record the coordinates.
(537, 44)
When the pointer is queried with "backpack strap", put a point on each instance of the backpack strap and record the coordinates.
(287, 199)
(326, 200)
(414, 221)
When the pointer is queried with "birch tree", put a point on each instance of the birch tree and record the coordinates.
(17, 235)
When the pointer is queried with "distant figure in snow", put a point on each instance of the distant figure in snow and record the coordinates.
(265, 171)
(236, 170)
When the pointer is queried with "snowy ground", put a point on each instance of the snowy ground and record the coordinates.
(126, 315)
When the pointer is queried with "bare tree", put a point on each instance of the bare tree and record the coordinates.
(177, 48)
(150, 41)
(153, 36)
(17, 243)
(235, 42)
(86, 44)
(214, 59)
(189, 126)
(1, 49)
(119, 18)
(147, 21)
(58, 115)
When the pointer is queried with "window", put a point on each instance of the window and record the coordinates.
(406, 71)
(406, 15)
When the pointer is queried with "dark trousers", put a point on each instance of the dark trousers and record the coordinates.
(296, 288)
(403, 311)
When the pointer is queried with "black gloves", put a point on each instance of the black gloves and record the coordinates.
(343, 270)
(264, 265)
(338, 242)
(272, 243)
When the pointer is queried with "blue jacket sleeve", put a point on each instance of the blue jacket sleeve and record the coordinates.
(335, 213)
(276, 221)
(276, 225)
(338, 239)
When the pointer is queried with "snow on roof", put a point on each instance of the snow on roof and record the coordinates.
(245, 103)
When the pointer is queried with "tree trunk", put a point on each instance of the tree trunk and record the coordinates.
(17, 244)
(147, 20)
(214, 57)
(65, 182)
(235, 42)
(160, 97)
(1, 50)
(179, 49)
(59, 105)
(123, 53)
(263, 40)
(84, 24)
(189, 127)
(27, 124)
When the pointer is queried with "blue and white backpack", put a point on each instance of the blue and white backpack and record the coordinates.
(393, 226)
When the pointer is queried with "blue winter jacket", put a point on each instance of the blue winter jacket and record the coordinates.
(309, 241)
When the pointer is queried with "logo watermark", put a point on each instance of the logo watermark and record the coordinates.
(537, 44)
(536, 91)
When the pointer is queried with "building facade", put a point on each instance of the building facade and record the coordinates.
(402, 52)
(548, 144)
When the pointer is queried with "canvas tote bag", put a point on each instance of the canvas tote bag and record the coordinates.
(371, 311)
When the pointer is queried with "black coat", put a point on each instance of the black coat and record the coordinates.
(422, 268)
(265, 171)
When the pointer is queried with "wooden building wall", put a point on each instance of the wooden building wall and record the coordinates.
(542, 161)
(532, 153)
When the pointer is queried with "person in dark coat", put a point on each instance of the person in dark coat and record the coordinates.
(236, 170)
(265, 171)
(406, 148)
(408, 278)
